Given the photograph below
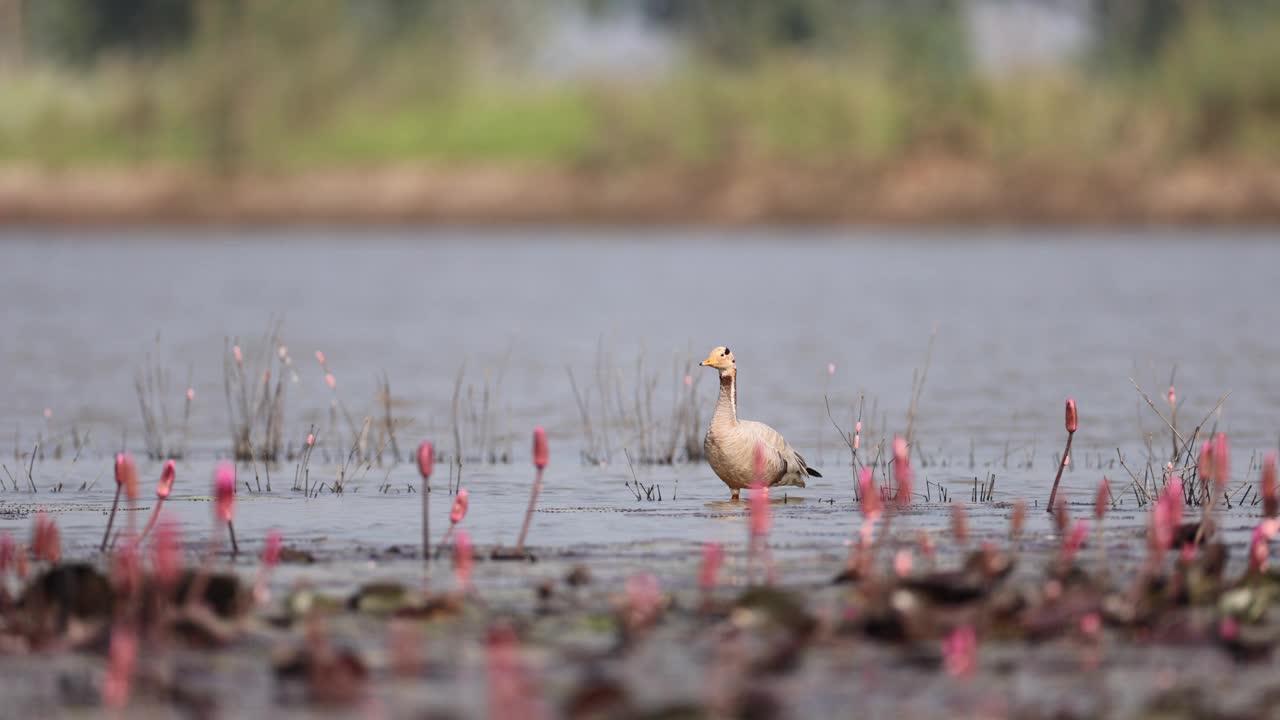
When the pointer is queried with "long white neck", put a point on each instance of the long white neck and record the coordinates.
(727, 405)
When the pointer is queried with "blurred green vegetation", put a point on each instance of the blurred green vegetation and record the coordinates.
(279, 85)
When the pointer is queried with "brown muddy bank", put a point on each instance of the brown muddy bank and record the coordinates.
(925, 191)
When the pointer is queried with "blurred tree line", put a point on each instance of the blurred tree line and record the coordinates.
(1128, 32)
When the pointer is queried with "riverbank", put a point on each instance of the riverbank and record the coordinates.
(936, 190)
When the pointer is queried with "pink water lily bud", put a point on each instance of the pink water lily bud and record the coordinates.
(541, 453)
(331, 381)
(167, 475)
(191, 394)
(712, 559)
(126, 568)
(902, 470)
(1074, 540)
(46, 540)
(1073, 419)
(463, 558)
(166, 553)
(1221, 461)
(902, 563)
(320, 358)
(8, 551)
(311, 439)
(224, 485)
(857, 427)
(871, 503)
(960, 523)
(123, 654)
(238, 355)
(1205, 465)
(1102, 498)
(760, 519)
(459, 509)
(1259, 545)
(1270, 505)
(960, 652)
(1173, 397)
(126, 470)
(272, 548)
(924, 540)
(644, 599)
(426, 459)
(1018, 519)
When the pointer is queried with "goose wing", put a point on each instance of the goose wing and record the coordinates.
(785, 465)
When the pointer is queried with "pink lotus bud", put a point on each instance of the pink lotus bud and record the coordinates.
(1018, 520)
(902, 563)
(541, 454)
(1188, 553)
(239, 355)
(960, 523)
(712, 559)
(644, 599)
(311, 439)
(927, 548)
(123, 654)
(1091, 624)
(459, 510)
(272, 548)
(871, 504)
(167, 475)
(1221, 461)
(960, 652)
(331, 381)
(1270, 504)
(166, 554)
(902, 470)
(191, 394)
(1173, 397)
(320, 358)
(126, 471)
(1205, 465)
(224, 484)
(1073, 420)
(1258, 550)
(1071, 544)
(426, 458)
(1166, 515)
(463, 558)
(760, 511)
(46, 541)
(857, 442)
(8, 549)
(126, 569)
(857, 427)
(1102, 499)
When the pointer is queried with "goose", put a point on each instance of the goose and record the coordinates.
(730, 443)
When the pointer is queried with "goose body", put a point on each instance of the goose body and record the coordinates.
(730, 443)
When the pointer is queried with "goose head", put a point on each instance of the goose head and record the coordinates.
(721, 358)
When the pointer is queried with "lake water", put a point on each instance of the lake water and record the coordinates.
(1023, 320)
